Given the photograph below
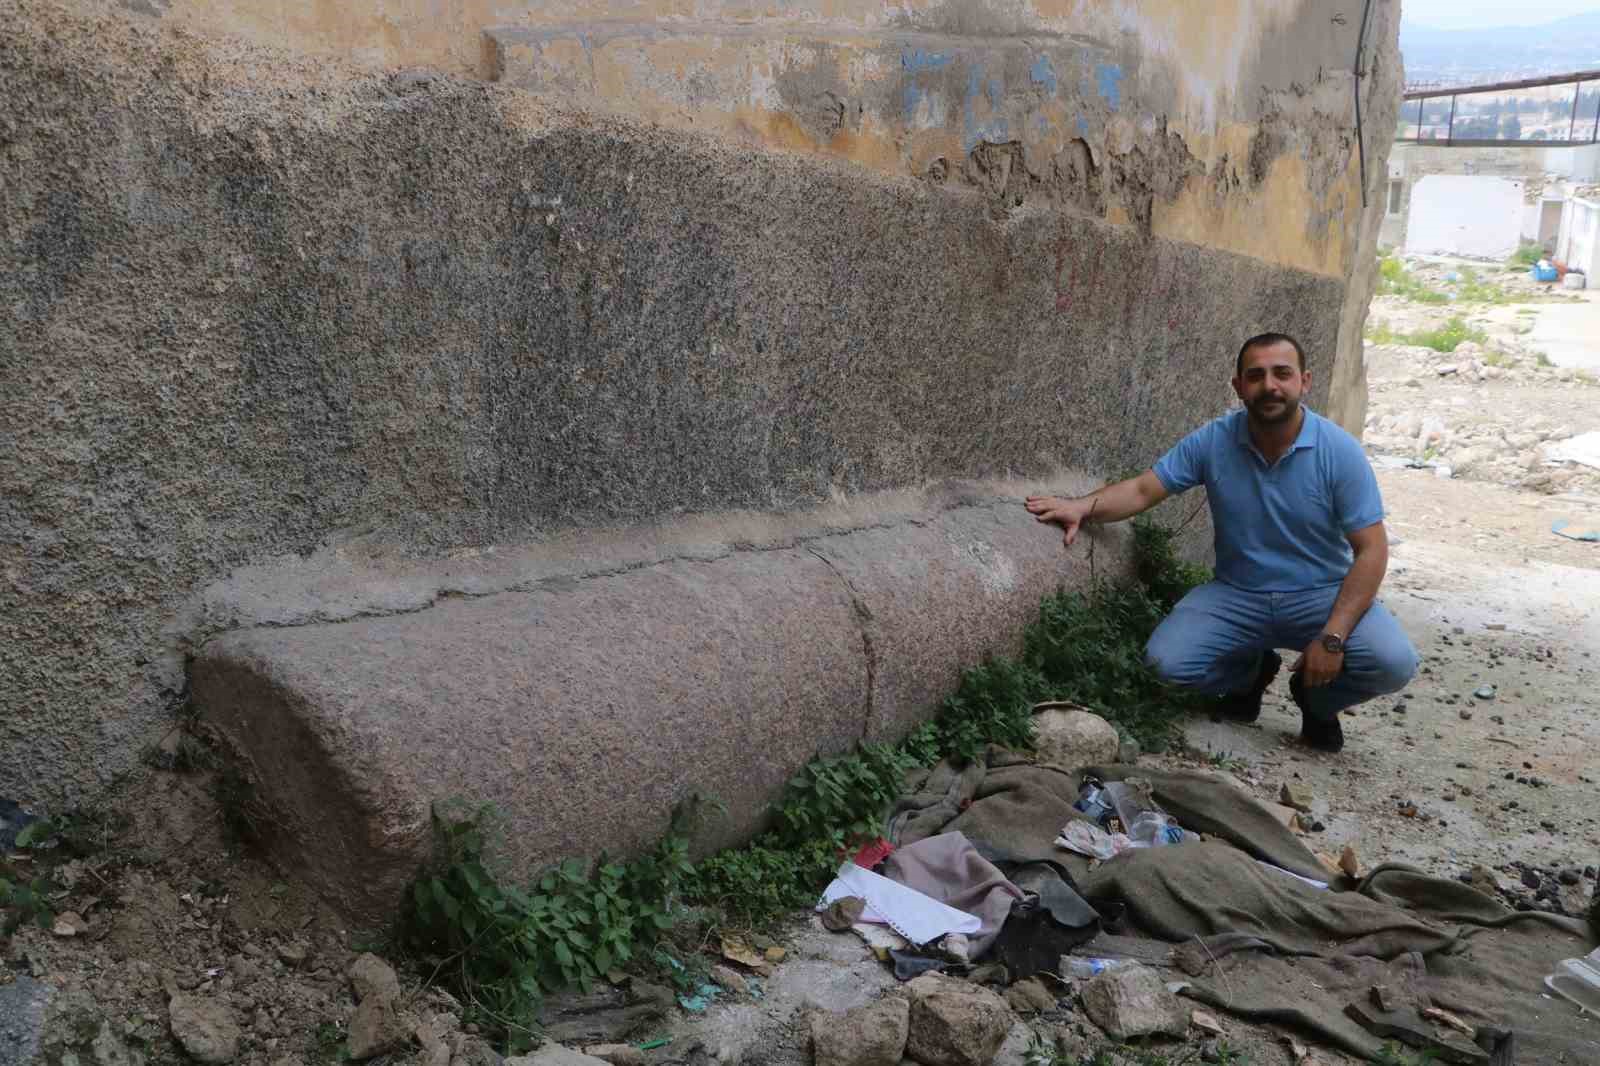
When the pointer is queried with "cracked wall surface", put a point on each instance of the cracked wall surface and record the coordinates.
(265, 306)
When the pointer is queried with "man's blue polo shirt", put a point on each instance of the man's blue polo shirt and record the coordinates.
(1282, 527)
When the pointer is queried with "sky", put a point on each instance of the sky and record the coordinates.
(1476, 14)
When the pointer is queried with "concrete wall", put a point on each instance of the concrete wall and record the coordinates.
(1578, 244)
(1456, 214)
(1546, 174)
(265, 306)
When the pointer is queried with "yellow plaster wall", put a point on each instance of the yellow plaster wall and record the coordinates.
(1194, 74)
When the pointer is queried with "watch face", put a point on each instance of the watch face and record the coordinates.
(1332, 643)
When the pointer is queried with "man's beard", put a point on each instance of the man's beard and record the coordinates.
(1259, 413)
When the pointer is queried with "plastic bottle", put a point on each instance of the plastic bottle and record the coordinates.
(1081, 966)
(1578, 980)
(1151, 829)
(1093, 801)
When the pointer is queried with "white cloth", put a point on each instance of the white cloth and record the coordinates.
(919, 918)
(1584, 449)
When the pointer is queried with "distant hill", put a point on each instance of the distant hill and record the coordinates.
(1461, 57)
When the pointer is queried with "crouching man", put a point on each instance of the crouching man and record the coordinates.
(1300, 545)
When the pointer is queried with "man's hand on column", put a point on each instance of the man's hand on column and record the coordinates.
(1068, 514)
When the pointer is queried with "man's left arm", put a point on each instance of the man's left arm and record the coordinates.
(1371, 545)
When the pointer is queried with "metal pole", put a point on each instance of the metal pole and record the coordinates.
(1361, 141)
(1577, 87)
(1450, 129)
(1594, 137)
(1419, 137)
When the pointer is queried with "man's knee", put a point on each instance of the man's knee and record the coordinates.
(1167, 657)
(1394, 666)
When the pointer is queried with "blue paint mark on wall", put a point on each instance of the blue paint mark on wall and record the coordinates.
(912, 99)
(918, 59)
(994, 128)
(914, 61)
(1043, 73)
(1108, 79)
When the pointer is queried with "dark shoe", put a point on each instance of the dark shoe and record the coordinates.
(1324, 734)
(1246, 706)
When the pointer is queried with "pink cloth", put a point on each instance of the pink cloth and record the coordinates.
(948, 868)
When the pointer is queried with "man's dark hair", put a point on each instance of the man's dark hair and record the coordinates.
(1261, 340)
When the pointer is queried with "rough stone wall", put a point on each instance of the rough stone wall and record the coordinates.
(261, 305)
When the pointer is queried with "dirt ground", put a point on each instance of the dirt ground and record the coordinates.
(1485, 760)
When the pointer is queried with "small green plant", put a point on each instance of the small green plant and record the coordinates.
(1227, 1055)
(1226, 760)
(22, 902)
(1527, 254)
(244, 816)
(1541, 359)
(79, 832)
(1445, 338)
(501, 948)
(331, 1045)
(187, 754)
(1395, 1055)
(1473, 288)
(1380, 332)
(1395, 280)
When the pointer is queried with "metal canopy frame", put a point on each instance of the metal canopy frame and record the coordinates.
(1575, 136)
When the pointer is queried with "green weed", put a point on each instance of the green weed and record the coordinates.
(1380, 332)
(1541, 359)
(501, 947)
(1395, 1055)
(1226, 760)
(1527, 254)
(1445, 338)
(188, 755)
(331, 1046)
(1395, 280)
(245, 817)
(24, 901)
(79, 832)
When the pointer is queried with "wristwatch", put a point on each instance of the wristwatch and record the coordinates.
(1332, 643)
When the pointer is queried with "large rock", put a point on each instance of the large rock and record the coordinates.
(372, 978)
(874, 1035)
(652, 680)
(1074, 738)
(1134, 1001)
(954, 1023)
(205, 1028)
(376, 1029)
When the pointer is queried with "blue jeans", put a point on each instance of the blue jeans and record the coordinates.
(1214, 639)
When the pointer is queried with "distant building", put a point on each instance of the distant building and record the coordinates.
(1481, 170)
